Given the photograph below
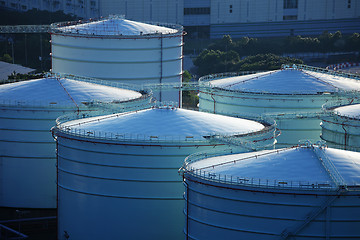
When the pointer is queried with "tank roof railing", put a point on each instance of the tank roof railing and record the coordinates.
(329, 110)
(99, 81)
(206, 174)
(205, 79)
(206, 87)
(330, 167)
(67, 28)
(274, 115)
(327, 71)
(215, 76)
(88, 105)
(248, 140)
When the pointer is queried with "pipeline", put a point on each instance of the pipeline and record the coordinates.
(211, 95)
(345, 135)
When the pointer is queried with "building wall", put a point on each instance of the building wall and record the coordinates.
(243, 11)
(217, 15)
(197, 13)
(170, 11)
(81, 8)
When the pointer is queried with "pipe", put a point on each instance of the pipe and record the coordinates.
(187, 207)
(20, 235)
(345, 135)
(211, 95)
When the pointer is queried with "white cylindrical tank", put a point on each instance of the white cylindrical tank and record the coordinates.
(306, 192)
(28, 110)
(118, 174)
(117, 49)
(341, 127)
(292, 96)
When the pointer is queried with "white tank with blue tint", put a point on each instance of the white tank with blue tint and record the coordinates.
(118, 174)
(340, 127)
(116, 49)
(28, 110)
(293, 96)
(306, 192)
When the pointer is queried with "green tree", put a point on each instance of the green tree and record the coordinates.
(190, 98)
(6, 58)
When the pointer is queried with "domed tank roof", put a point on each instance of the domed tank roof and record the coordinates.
(165, 123)
(301, 164)
(116, 26)
(288, 81)
(61, 91)
(352, 111)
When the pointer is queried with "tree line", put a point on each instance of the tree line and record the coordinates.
(227, 55)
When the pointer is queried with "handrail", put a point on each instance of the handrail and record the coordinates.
(68, 29)
(329, 167)
(206, 173)
(242, 139)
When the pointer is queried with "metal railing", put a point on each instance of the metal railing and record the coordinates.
(327, 71)
(205, 80)
(329, 167)
(68, 28)
(25, 29)
(329, 109)
(215, 76)
(85, 105)
(206, 173)
(251, 139)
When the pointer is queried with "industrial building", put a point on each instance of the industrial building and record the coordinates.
(118, 174)
(305, 192)
(215, 18)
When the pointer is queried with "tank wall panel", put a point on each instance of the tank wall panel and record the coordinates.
(245, 214)
(293, 128)
(141, 183)
(27, 157)
(109, 71)
(28, 182)
(107, 43)
(104, 218)
(140, 61)
(126, 176)
(117, 55)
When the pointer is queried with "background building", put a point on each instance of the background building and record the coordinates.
(214, 18)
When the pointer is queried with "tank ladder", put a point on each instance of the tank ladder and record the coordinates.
(290, 232)
(341, 189)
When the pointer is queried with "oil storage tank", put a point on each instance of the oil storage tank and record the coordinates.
(303, 192)
(28, 110)
(118, 174)
(117, 49)
(293, 96)
(340, 127)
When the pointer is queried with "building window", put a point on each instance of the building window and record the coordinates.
(290, 4)
(230, 10)
(349, 3)
(2, 3)
(290, 17)
(196, 11)
(23, 7)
